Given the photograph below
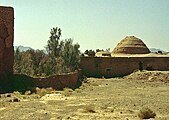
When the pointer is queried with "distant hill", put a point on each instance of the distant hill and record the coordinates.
(156, 50)
(22, 48)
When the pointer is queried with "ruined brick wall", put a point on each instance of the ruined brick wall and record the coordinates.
(58, 81)
(6, 39)
(120, 66)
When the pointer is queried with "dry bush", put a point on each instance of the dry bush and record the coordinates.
(27, 92)
(17, 94)
(43, 91)
(67, 92)
(89, 109)
(146, 113)
(78, 90)
(104, 106)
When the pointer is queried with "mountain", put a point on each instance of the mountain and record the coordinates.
(156, 50)
(22, 48)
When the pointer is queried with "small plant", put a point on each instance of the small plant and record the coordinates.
(89, 109)
(112, 110)
(104, 106)
(43, 91)
(146, 113)
(17, 94)
(78, 90)
(28, 92)
(67, 92)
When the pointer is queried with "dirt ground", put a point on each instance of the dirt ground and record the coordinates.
(96, 99)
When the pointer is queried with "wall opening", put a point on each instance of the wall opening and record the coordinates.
(108, 69)
(140, 66)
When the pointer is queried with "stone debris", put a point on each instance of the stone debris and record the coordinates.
(150, 76)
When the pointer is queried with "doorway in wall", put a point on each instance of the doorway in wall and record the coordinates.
(140, 66)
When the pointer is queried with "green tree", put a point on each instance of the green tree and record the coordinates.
(26, 64)
(54, 44)
(71, 55)
(90, 53)
(17, 60)
(36, 57)
(62, 56)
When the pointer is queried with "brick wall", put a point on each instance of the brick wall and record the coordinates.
(120, 66)
(6, 40)
(58, 81)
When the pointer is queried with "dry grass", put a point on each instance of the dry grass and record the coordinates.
(17, 94)
(104, 106)
(146, 113)
(89, 109)
(43, 91)
(67, 92)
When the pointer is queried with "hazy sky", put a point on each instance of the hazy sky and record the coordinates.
(92, 23)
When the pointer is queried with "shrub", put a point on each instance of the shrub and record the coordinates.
(104, 106)
(146, 113)
(17, 94)
(89, 109)
(78, 90)
(28, 92)
(43, 91)
(67, 92)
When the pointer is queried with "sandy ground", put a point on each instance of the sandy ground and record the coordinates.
(96, 99)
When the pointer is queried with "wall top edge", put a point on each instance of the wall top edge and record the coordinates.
(6, 7)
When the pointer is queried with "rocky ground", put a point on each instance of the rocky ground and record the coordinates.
(96, 99)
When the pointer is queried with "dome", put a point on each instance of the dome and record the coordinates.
(131, 45)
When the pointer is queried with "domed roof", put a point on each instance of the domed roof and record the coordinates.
(131, 45)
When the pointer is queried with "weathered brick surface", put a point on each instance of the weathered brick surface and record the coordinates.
(131, 45)
(119, 66)
(6, 39)
(58, 81)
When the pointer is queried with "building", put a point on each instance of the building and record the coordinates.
(129, 55)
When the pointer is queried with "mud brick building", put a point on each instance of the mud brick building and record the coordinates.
(129, 55)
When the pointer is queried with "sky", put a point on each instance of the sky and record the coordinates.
(94, 24)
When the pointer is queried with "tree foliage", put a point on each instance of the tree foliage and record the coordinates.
(61, 56)
(54, 44)
(90, 53)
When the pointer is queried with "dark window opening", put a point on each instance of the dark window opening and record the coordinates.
(108, 69)
(140, 66)
(108, 55)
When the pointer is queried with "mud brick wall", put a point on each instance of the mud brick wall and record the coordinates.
(58, 81)
(120, 66)
(6, 40)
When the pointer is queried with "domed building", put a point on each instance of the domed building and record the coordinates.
(131, 45)
(129, 55)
